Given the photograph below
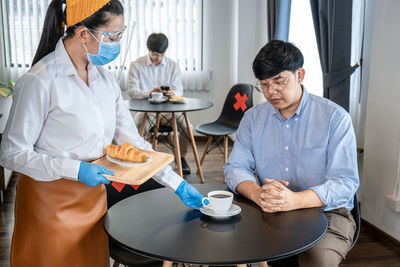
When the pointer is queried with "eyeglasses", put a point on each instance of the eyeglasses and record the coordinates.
(112, 36)
(277, 86)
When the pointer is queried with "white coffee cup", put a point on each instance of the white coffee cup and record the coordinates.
(219, 201)
(157, 95)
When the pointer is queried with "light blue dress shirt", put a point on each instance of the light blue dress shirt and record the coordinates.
(314, 149)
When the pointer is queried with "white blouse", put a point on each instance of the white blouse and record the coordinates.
(56, 121)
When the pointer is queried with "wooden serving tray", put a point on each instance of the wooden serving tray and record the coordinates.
(136, 175)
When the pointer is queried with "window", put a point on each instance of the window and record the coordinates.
(180, 20)
(301, 33)
(21, 21)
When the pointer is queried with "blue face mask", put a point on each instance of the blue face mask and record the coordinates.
(108, 51)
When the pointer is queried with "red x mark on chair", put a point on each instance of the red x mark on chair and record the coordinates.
(240, 97)
(240, 101)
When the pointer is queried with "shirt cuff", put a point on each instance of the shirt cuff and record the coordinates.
(168, 178)
(236, 178)
(70, 169)
(322, 194)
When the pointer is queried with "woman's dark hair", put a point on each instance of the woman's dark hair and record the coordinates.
(53, 28)
(157, 42)
(277, 56)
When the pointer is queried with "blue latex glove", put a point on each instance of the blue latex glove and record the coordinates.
(189, 195)
(90, 174)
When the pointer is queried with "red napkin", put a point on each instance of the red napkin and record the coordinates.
(120, 186)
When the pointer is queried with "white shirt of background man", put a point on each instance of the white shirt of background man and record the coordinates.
(144, 76)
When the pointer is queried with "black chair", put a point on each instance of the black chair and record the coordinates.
(118, 253)
(356, 215)
(238, 100)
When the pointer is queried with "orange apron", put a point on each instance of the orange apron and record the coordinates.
(59, 223)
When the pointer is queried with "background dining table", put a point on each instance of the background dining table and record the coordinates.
(185, 106)
(157, 224)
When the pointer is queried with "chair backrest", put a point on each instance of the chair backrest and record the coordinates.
(356, 215)
(237, 102)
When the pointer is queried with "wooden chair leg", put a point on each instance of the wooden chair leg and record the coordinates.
(260, 264)
(156, 127)
(143, 125)
(116, 264)
(225, 152)
(193, 142)
(176, 146)
(225, 149)
(209, 141)
(167, 264)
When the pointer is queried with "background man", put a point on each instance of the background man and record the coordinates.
(303, 148)
(148, 73)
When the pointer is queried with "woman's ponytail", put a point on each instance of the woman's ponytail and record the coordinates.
(53, 30)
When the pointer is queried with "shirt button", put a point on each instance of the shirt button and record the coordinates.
(287, 169)
(296, 119)
(287, 126)
(286, 147)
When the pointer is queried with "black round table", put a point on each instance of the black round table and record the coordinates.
(158, 225)
(190, 104)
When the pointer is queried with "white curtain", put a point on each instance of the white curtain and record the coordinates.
(19, 35)
(180, 20)
(358, 93)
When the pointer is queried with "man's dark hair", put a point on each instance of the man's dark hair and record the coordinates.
(157, 42)
(277, 56)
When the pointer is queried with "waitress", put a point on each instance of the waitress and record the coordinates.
(66, 109)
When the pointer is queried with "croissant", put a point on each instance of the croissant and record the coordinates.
(126, 152)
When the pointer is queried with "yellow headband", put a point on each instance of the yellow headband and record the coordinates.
(78, 10)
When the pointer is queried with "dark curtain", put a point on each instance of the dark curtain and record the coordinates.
(278, 19)
(332, 24)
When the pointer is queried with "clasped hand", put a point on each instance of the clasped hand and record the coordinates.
(274, 196)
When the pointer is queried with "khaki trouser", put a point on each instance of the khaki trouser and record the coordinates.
(333, 247)
(165, 121)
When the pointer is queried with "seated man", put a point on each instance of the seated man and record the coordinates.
(148, 73)
(303, 149)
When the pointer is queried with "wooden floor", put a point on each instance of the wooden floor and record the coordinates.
(368, 251)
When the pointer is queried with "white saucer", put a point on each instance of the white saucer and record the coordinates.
(158, 101)
(233, 210)
(127, 163)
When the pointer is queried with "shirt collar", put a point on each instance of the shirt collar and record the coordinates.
(303, 102)
(64, 64)
(149, 63)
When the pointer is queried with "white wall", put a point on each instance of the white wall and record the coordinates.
(382, 126)
(230, 63)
